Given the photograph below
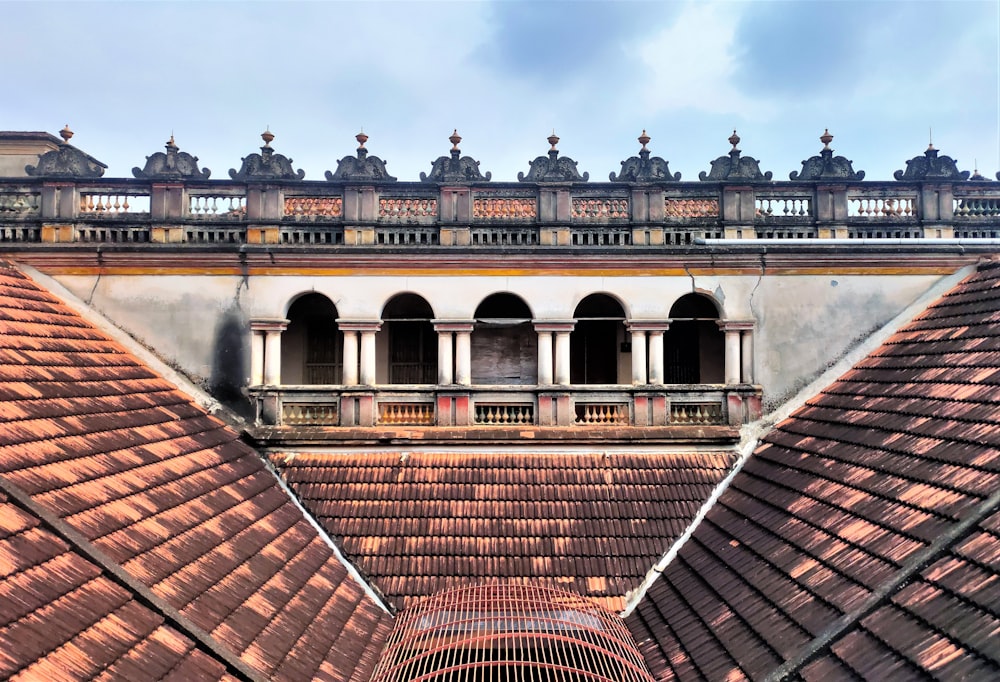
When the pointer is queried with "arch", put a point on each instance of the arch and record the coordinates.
(510, 631)
(312, 347)
(407, 342)
(596, 339)
(504, 343)
(694, 346)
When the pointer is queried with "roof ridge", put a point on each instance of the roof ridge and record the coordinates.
(117, 574)
(915, 563)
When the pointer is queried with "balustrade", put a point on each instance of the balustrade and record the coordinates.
(881, 208)
(406, 414)
(602, 413)
(782, 207)
(697, 413)
(503, 414)
(217, 207)
(310, 414)
(19, 204)
(504, 209)
(398, 210)
(113, 204)
(976, 207)
(678, 209)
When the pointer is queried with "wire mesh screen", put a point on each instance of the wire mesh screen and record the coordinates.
(502, 632)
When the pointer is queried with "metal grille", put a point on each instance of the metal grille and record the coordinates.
(508, 631)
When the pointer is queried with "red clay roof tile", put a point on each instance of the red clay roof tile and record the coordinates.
(170, 494)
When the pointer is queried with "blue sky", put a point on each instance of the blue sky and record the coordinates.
(880, 75)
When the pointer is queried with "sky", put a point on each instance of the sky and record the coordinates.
(884, 76)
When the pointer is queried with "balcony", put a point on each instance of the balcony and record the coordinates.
(699, 412)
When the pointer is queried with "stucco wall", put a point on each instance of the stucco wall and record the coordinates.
(199, 323)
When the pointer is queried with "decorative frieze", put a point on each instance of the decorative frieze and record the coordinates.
(314, 208)
(504, 209)
(690, 208)
(600, 210)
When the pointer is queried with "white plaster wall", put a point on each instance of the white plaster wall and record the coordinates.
(804, 322)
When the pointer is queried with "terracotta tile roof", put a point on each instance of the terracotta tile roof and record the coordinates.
(424, 522)
(171, 495)
(64, 617)
(863, 537)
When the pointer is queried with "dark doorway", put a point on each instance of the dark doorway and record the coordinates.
(504, 343)
(694, 347)
(312, 347)
(412, 340)
(595, 339)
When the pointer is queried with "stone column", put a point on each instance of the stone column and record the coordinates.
(463, 357)
(265, 351)
(746, 371)
(735, 366)
(656, 357)
(544, 358)
(350, 372)
(367, 376)
(454, 366)
(556, 331)
(446, 360)
(638, 355)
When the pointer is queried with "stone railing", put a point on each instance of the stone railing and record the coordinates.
(578, 406)
(420, 214)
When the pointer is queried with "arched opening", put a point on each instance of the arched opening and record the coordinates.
(595, 340)
(411, 342)
(504, 344)
(312, 347)
(694, 346)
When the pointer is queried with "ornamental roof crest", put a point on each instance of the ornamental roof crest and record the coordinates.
(455, 168)
(66, 161)
(735, 167)
(930, 166)
(172, 165)
(267, 165)
(826, 166)
(642, 168)
(551, 168)
(364, 168)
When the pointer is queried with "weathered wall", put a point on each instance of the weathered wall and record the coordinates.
(199, 322)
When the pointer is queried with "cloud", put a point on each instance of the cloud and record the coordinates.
(692, 63)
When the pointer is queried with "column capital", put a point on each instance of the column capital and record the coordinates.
(647, 325)
(453, 325)
(736, 325)
(268, 324)
(554, 325)
(359, 325)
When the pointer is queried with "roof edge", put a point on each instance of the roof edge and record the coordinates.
(751, 434)
(93, 316)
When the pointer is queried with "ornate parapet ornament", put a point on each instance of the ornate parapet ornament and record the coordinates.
(826, 166)
(267, 165)
(455, 168)
(930, 166)
(66, 162)
(364, 168)
(172, 165)
(551, 168)
(735, 167)
(644, 169)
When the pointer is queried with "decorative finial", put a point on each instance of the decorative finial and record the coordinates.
(553, 140)
(361, 138)
(826, 138)
(644, 140)
(930, 138)
(734, 139)
(171, 145)
(455, 139)
(66, 134)
(267, 136)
